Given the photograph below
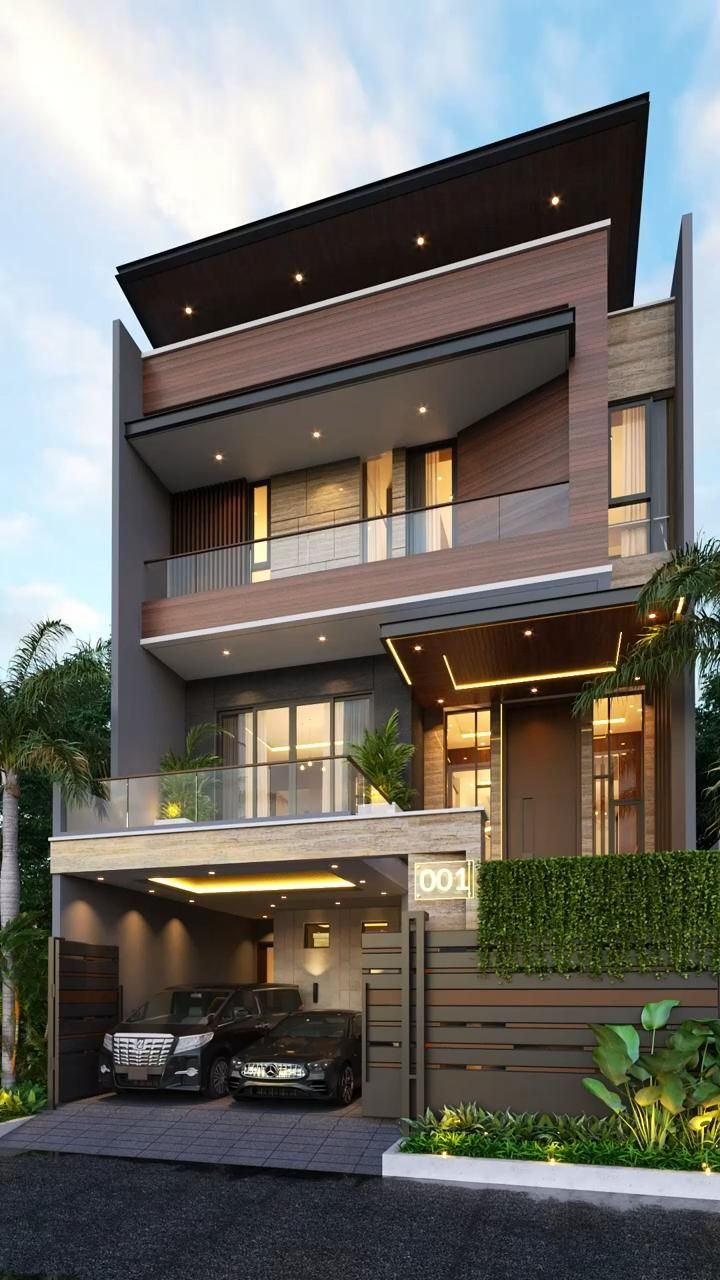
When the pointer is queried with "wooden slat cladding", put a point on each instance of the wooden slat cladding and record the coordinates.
(438, 1032)
(544, 553)
(214, 516)
(84, 1004)
(523, 445)
(641, 351)
(421, 311)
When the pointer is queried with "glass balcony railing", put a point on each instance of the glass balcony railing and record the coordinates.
(251, 793)
(392, 537)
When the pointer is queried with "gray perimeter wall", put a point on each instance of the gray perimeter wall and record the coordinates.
(147, 698)
(161, 943)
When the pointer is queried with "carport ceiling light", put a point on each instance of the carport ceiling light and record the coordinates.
(255, 884)
(543, 675)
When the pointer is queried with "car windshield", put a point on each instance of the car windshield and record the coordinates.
(194, 1008)
(320, 1026)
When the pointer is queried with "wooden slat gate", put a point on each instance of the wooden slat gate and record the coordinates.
(437, 1031)
(84, 1003)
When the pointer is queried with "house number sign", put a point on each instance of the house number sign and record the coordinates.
(442, 881)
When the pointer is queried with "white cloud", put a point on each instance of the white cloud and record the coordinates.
(23, 606)
(15, 532)
(571, 74)
(247, 110)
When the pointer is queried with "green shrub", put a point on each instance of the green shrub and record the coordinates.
(656, 913)
(24, 1100)
(469, 1130)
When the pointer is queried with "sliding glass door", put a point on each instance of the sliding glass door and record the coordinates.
(430, 495)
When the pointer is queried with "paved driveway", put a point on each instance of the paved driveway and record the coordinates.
(280, 1135)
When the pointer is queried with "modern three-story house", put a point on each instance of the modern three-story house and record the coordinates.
(412, 448)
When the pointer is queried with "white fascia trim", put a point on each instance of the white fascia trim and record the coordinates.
(642, 306)
(262, 824)
(386, 286)
(236, 628)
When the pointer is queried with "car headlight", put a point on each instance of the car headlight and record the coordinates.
(319, 1068)
(107, 1041)
(186, 1043)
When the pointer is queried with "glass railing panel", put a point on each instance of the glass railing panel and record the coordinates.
(629, 529)
(404, 533)
(92, 817)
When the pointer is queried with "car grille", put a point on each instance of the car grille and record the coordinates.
(141, 1051)
(273, 1071)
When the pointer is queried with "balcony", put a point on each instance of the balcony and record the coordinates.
(339, 546)
(251, 793)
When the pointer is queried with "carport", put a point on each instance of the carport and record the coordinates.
(285, 1135)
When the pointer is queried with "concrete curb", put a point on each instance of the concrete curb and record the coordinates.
(594, 1182)
(6, 1126)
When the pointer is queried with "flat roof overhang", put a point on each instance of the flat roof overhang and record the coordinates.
(360, 409)
(361, 630)
(482, 200)
(519, 652)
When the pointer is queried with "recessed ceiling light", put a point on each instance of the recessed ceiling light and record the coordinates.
(527, 631)
(337, 904)
(420, 242)
(264, 917)
(283, 897)
(226, 653)
(101, 877)
(422, 408)
(322, 639)
(417, 648)
(191, 899)
(333, 866)
(555, 201)
(273, 904)
(362, 881)
(151, 890)
(298, 277)
(441, 700)
(316, 435)
(219, 457)
(211, 873)
(534, 689)
(383, 893)
(189, 311)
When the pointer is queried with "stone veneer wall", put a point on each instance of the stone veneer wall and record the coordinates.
(301, 501)
(337, 969)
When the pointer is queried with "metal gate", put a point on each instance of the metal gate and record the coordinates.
(436, 1031)
(85, 1001)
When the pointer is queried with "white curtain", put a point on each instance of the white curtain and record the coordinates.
(628, 476)
(438, 523)
(378, 498)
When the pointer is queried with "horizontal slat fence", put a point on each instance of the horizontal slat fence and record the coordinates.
(84, 1004)
(438, 1032)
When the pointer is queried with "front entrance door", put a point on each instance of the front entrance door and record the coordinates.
(542, 780)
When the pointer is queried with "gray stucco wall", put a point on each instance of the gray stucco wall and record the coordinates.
(147, 698)
(161, 943)
(375, 675)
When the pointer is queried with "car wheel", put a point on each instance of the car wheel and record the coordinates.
(218, 1079)
(345, 1087)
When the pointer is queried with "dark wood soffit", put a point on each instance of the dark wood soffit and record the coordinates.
(544, 553)
(560, 642)
(214, 516)
(561, 274)
(466, 206)
(523, 445)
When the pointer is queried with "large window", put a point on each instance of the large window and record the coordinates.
(467, 755)
(430, 485)
(290, 759)
(618, 774)
(377, 502)
(637, 514)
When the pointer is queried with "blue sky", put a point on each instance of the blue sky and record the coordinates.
(129, 127)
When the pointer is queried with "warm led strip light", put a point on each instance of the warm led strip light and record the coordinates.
(255, 884)
(548, 675)
(398, 660)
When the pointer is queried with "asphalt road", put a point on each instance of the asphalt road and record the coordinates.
(91, 1217)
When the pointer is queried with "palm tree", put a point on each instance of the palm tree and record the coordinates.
(36, 694)
(186, 796)
(685, 591)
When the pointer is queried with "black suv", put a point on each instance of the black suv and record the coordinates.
(184, 1037)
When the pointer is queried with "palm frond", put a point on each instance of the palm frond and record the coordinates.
(35, 650)
(191, 758)
(693, 571)
(63, 762)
